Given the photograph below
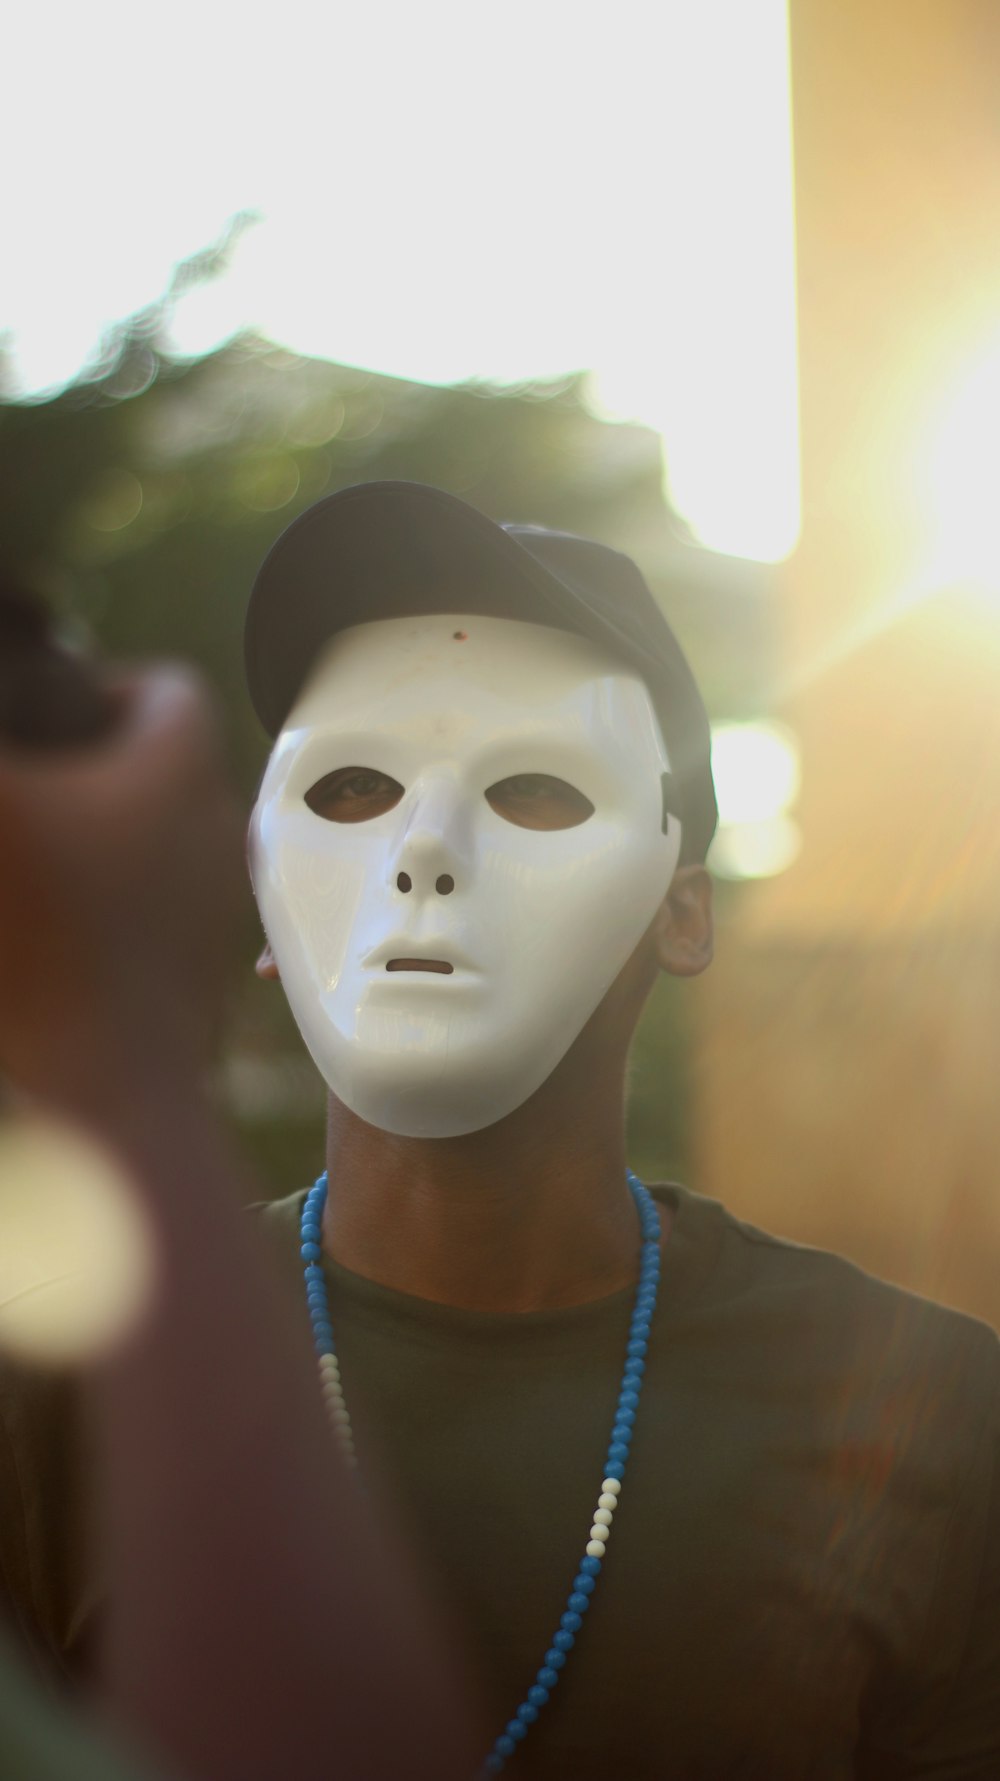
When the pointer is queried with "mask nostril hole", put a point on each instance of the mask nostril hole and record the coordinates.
(445, 884)
(404, 882)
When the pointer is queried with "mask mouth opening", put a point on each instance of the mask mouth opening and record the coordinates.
(440, 965)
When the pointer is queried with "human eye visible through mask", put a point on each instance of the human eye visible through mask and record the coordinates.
(353, 794)
(539, 801)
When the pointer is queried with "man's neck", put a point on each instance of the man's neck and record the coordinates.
(531, 1214)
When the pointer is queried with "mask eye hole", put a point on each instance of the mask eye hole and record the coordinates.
(538, 801)
(353, 794)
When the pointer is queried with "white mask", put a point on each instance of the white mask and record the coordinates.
(535, 922)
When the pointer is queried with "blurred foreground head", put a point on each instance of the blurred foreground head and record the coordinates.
(491, 758)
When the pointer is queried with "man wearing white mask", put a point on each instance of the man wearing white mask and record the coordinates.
(703, 1503)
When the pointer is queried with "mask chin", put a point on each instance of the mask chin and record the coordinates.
(445, 1083)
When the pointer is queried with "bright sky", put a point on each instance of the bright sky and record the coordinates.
(447, 191)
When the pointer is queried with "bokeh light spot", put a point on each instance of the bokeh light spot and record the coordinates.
(76, 1252)
(115, 500)
(319, 424)
(756, 770)
(266, 484)
(755, 849)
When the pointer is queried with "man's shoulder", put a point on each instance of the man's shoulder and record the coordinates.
(826, 1303)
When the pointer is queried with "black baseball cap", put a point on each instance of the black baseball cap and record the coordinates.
(389, 549)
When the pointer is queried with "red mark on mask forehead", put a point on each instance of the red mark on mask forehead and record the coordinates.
(460, 636)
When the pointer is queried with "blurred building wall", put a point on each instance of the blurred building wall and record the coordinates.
(848, 1072)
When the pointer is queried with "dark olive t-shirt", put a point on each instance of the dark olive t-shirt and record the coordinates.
(803, 1579)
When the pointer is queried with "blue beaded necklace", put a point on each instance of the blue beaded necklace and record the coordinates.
(614, 1467)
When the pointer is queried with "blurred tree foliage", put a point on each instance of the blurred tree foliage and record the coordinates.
(141, 500)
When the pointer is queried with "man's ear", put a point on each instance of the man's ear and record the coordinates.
(683, 933)
(265, 966)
